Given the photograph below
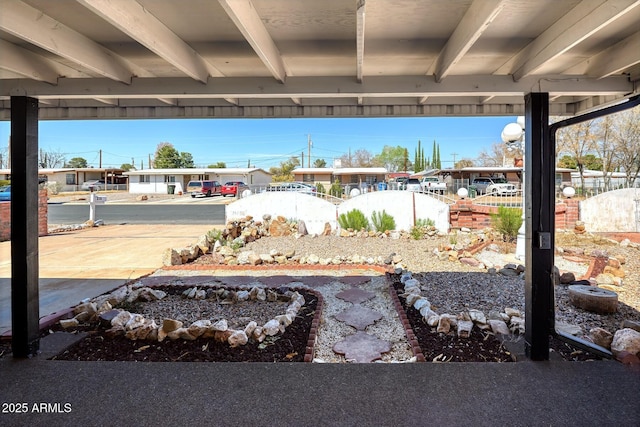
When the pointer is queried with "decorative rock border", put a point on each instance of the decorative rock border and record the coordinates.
(511, 321)
(135, 326)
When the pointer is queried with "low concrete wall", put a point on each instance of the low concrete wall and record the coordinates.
(616, 210)
(404, 206)
(5, 217)
(314, 211)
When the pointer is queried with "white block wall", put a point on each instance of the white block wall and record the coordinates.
(617, 210)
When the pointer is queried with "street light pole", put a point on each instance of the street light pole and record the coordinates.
(513, 136)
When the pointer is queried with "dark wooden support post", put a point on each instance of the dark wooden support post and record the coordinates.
(539, 213)
(25, 311)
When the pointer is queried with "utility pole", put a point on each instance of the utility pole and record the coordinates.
(149, 161)
(309, 144)
(302, 158)
(100, 164)
(454, 159)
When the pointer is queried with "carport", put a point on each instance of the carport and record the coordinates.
(100, 60)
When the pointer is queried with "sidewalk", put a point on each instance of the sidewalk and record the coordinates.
(86, 263)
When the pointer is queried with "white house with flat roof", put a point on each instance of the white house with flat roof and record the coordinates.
(157, 181)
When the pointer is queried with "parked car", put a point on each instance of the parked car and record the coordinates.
(97, 185)
(233, 188)
(399, 182)
(204, 188)
(494, 185)
(412, 184)
(5, 194)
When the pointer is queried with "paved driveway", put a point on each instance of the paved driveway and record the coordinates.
(84, 264)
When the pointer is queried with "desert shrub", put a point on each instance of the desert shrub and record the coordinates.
(382, 221)
(354, 219)
(422, 225)
(320, 188)
(425, 222)
(336, 189)
(215, 236)
(507, 222)
(416, 232)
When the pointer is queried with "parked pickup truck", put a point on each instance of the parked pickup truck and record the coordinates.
(433, 184)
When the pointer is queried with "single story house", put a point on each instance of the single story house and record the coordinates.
(314, 176)
(345, 176)
(463, 177)
(158, 181)
(71, 179)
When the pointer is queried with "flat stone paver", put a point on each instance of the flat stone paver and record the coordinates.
(362, 347)
(359, 317)
(355, 295)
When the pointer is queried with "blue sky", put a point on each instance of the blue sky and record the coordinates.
(264, 142)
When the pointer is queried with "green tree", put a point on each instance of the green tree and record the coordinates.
(589, 161)
(127, 167)
(167, 157)
(284, 172)
(568, 162)
(319, 163)
(392, 158)
(419, 162)
(434, 156)
(77, 162)
(186, 160)
(218, 165)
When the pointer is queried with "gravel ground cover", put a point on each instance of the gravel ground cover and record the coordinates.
(451, 286)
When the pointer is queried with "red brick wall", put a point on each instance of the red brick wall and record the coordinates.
(567, 213)
(5, 217)
(464, 213)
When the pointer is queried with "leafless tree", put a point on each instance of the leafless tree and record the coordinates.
(361, 158)
(626, 139)
(497, 155)
(463, 163)
(605, 149)
(577, 141)
(51, 159)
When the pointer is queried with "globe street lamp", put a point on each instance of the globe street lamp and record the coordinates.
(513, 136)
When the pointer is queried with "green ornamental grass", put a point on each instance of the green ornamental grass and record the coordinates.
(354, 219)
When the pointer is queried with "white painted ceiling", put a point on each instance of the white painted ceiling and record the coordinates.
(86, 59)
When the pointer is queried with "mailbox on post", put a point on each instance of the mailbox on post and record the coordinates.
(94, 200)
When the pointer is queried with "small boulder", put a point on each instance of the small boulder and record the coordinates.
(626, 340)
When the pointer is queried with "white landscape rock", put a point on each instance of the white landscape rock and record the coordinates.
(477, 316)
(121, 319)
(499, 327)
(272, 327)
(626, 340)
(464, 328)
(237, 338)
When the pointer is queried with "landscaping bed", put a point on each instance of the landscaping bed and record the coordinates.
(101, 344)
(480, 346)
